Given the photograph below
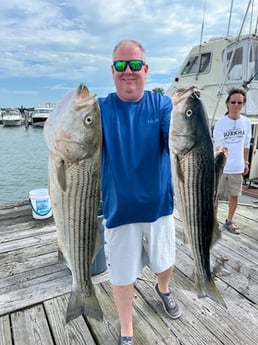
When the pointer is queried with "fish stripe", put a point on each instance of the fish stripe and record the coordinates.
(80, 204)
(195, 192)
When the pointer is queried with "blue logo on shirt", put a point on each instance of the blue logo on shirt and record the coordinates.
(151, 122)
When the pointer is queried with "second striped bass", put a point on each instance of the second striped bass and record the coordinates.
(192, 161)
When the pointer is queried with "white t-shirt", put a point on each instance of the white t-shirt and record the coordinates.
(235, 135)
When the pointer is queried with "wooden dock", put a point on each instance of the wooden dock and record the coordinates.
(34, 290)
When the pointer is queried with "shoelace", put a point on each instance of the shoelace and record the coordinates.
(170, 301)
(126, 341)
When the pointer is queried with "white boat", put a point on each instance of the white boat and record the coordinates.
(12, 117)
(218, 65)
(40, 115)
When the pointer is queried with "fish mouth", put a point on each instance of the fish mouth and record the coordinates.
(182, 94)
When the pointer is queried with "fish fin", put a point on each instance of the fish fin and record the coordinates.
(60, 173)
(178, 168)
(81, 303)
(216, 233)
(219, 163)
(60, 257)
(98, 245)
(207, 288)
(186, 237)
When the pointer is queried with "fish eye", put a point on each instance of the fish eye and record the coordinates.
(88, 120)
(189, 112)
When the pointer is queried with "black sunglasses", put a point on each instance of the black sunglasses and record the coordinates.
(234, 102)
(135, 65)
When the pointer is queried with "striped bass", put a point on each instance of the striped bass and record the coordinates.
(74, 139)
(192, 161)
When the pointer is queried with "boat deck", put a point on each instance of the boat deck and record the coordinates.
(34, 290)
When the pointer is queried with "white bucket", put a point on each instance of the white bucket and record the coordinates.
(40, 204)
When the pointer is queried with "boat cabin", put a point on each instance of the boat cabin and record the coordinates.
(215, 67)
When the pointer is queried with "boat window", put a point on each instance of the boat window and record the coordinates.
(191, 66)
(205, 61)
(253, 62)
(235, 62)
(195, 64)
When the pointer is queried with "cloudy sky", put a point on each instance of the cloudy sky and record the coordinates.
(50, 46)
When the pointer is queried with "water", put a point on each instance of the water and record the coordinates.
(23, 164)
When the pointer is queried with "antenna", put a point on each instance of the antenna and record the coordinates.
(204, 9)
(201, 36)
(229, 19)
(247, 10)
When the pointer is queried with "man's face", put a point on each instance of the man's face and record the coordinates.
(129, 84)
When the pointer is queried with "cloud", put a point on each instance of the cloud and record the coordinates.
(49, 46)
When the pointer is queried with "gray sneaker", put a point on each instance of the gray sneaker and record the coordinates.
(125, 341)
(169, 304)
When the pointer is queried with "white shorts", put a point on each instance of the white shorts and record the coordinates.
(130, 247)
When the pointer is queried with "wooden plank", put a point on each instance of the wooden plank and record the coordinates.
(148, 329)
(40, 289)
(105, 332)
(206, 316)
(23, 260)
(30, 274)
(247, 211)
(14, 211)
(239, 307)
(194, 332)
(245, 216)
(5, 331)
(27, 242)
(19, 214)
(75, 332)
(30, 327)
(34, 277)
(25, 230)
(231, 261)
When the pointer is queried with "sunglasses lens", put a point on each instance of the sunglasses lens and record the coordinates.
(135, 65)
(120, 66)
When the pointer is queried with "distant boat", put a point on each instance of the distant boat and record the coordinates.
(12, 117)
(219, 65)
(40, 115)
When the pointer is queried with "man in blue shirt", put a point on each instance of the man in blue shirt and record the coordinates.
(136, 184)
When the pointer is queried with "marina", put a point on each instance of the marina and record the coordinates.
(34, 289)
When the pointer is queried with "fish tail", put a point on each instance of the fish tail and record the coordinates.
(81, 303)
(207, 288)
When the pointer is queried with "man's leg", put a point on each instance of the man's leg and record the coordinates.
(123, 297)
(232, 205)
(163, 280)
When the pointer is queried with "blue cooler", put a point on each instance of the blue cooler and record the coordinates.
(99, 264)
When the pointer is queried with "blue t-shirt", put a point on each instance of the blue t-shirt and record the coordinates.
(136, 174)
